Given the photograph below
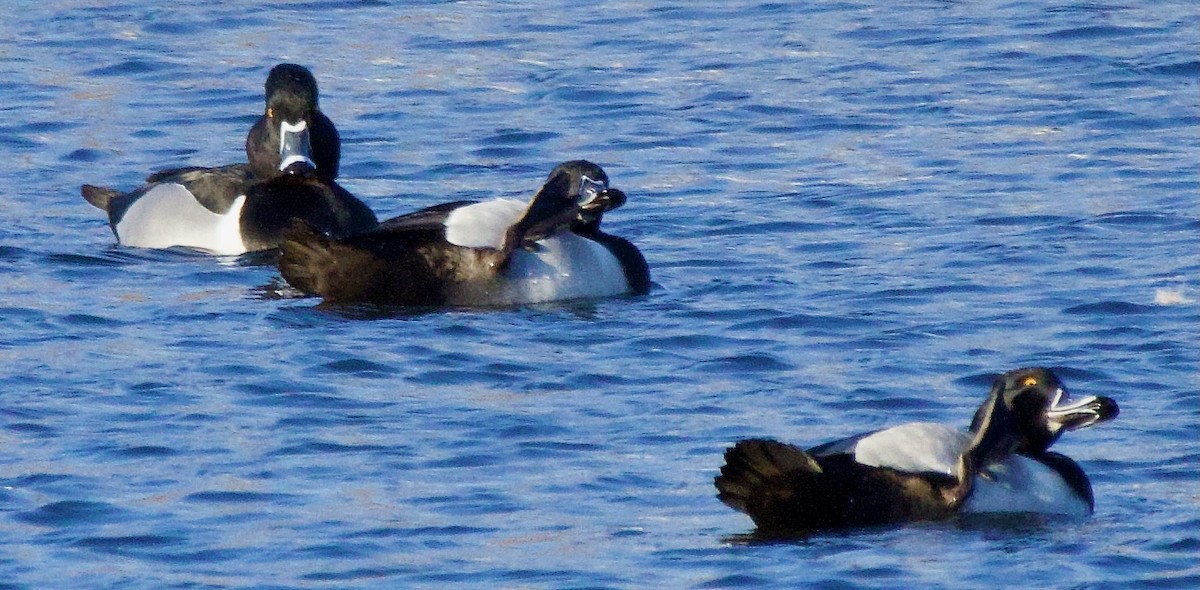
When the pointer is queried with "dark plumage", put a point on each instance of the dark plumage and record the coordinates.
(783, 488)
(923, 471)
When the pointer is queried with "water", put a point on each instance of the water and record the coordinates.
(853, 214)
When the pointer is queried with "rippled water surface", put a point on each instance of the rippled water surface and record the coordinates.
(854, 215)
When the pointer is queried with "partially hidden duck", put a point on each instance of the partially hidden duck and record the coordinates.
(293, 152)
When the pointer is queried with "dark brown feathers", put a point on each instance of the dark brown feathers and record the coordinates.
(359, 269)
(785, 490)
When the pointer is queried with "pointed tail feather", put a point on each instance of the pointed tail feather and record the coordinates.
(98, 196)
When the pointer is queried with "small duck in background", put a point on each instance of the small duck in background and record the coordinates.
(293, 152)
(924, 471)
(491, 253)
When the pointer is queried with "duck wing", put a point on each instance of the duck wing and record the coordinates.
(916, 447)
(423, 219)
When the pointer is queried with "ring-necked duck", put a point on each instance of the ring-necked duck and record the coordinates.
(498, 252)
(924, 471)
(293, 152)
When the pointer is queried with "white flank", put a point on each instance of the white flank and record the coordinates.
(168, 215)
(483, 225)
(1020, 484)
(565, 266)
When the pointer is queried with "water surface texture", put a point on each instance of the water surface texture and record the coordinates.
(855, 214)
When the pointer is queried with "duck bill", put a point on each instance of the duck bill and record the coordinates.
(1068, 414)
(295, 149)
(603, 202)
(611, 199)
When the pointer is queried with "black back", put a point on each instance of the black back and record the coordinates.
(386, 268)
(429, 218)
(272, 205)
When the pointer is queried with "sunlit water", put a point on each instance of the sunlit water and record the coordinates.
(854, 214)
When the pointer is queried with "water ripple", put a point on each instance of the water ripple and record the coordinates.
(853, 218)
(68, 513)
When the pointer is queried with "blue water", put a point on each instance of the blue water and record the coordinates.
(854, 214)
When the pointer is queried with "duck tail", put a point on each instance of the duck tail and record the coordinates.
(306, 259)
(98, 196)
(762, 478)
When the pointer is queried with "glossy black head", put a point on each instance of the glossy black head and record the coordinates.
(589, 187)
(292, 135)
(1033, 406)
(291, 84)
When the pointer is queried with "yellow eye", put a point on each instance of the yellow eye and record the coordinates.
(1029, 381)
(270, 112)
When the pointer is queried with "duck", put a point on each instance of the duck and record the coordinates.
(499, 252)
(293, 153)
(924, 471)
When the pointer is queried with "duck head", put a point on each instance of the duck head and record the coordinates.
(575, 194)
(292, 136)
(588, 187)
(1033, 404)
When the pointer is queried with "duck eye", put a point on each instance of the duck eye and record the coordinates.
(270, 113)
(1029, 382)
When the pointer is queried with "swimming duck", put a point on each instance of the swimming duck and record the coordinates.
(293, 152)
(924, 471)
(497, 252)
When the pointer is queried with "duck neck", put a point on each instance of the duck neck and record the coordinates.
(994, 440)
